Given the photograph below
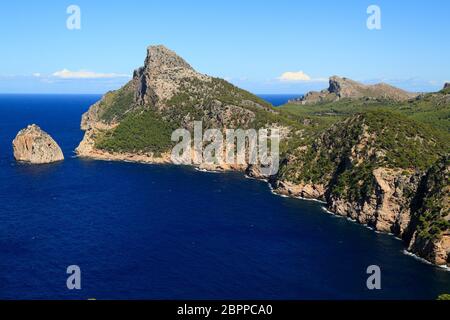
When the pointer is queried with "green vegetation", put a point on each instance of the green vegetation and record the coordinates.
(228, 93)
(116, 104)
(443, 297)
(390, 139)
(196, 100)
(344, 156)
(195, 91)
(406, 143)
(433, 207)
(355, 184)
(445, 90)
(432, 109)
(330, 112)
(140, 131)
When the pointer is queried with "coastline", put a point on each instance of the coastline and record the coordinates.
(165, 159)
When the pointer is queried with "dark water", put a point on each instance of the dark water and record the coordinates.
(279, 99)
(165, 232)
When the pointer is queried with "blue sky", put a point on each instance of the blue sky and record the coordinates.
(250, 43)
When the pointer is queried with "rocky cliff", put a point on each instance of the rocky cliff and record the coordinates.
(374, 168)
(344, 88)
(35, 146)
(429, 232)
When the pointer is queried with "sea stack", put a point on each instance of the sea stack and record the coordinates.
(35, 146)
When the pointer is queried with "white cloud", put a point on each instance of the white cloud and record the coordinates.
(294, 76)
(84, 74)
(37, 74)
(298, 76)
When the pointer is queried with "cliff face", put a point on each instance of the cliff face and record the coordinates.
(353, 168)
(35, 146)
(429, 234)
(385, 207)
(344, 88)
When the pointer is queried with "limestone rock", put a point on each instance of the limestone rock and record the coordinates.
(387, 208)
(35, 146)
(161, 76)
(302, 190)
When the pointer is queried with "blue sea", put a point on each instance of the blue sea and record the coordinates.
(279, 99)
(166, 232)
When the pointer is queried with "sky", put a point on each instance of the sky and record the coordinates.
(282, 46)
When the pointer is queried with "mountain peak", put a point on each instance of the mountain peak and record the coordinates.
(159, 56)
(341, 87)
(159, 79)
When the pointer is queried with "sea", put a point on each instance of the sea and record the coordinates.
(140, 231)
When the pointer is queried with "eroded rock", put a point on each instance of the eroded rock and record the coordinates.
(35, 146)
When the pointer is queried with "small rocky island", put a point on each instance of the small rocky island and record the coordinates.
(33, 145)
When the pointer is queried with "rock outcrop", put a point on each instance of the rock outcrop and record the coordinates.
(35, 146)
(446, 88)
(386, 208)
(161, 76)
(344, 88)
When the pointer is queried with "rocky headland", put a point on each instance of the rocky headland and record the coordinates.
(387, 169)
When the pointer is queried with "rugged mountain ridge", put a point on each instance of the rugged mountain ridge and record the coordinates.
(370, 166)
(344, 88)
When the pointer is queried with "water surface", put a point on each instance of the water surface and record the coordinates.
(166, 232)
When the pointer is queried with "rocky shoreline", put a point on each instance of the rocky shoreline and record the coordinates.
(285, 189)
